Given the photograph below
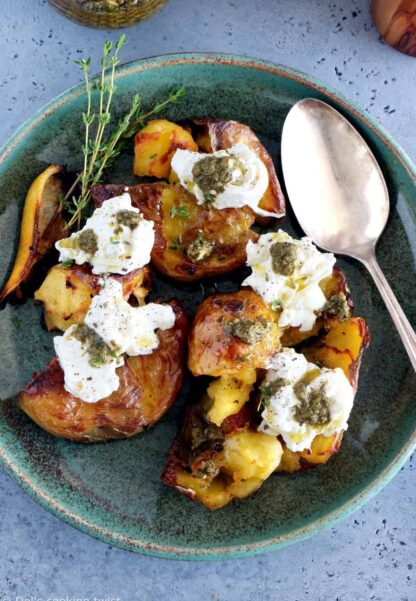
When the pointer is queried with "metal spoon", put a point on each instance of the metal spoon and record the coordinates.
(338, 193)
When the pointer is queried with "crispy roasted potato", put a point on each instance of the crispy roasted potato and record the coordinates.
(219, 341)
(41, 226)
(228, 394)
(339, 304)
(155, 144)
(191, 242)
(214, 465)
(149, 385)
(322, 449)
(341, 346)
(218, 455)
(66, 292)
(213, 135)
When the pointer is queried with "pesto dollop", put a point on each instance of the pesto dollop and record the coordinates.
(338, 306)
(204, 439)
(130, 219)
(249, 331)
(87, 241)
(98, 351)
(212, 174)
(271, 389)
(283, 256)
(314, 405)
(199, 249)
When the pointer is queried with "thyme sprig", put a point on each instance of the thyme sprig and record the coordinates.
(100, 150)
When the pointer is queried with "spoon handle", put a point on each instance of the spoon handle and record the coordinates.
(406, 332)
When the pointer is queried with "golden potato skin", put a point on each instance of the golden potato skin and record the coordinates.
(341, 346)
(66, 292)
(214, 134)
(229, 230)
(214, 352)
(155, 144)
(149, 385)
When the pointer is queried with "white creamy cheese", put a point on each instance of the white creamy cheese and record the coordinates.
(124, 328)
(120, 328)
(123, 239)
(81, 378)
(246, 188)
(298, 294)
(279, 414)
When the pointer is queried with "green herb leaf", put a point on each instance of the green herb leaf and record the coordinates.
(182, 212)
(100, 150)
(97, 361)
(67, 263)
(265, 395)
(175, 245)
(276, 305)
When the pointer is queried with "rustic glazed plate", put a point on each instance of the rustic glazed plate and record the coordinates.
(112, 490)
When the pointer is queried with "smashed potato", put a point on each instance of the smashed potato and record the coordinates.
(216, 465)
(155, 144)
(230, 332)
(191, 242)
(149, 385)
(66, 292)
(341, 346)
(220, 455)
(214, 134)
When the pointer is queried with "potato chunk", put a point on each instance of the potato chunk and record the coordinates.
(215, 344)
(251, 455)
(155, 144)
(66, 293)
(229, 393)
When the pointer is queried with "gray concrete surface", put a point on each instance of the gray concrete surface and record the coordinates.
(367, 557)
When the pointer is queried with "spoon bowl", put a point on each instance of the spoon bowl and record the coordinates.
(338, 193)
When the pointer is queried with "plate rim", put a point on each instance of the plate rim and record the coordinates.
(267, 543)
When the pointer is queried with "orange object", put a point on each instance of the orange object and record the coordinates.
(41, 226)
(396, 22)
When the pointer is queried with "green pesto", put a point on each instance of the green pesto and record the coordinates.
(212, 174)
(283, 258)
(129, 219)
(268, 391)
(337, 305)
(98, 351)
(87, 241)
(199, 249)
(314, 405)
(249, 331)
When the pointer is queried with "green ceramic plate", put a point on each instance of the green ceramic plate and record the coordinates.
(112, 490)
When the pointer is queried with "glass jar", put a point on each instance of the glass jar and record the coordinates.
(107, 13)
